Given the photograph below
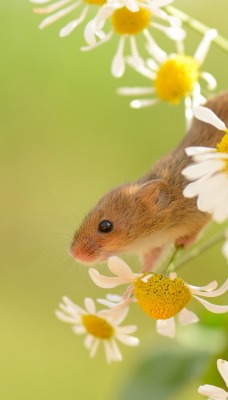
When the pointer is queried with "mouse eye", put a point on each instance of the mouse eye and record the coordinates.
(105, 226)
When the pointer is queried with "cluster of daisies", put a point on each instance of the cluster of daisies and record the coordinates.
(163, 297)
(172, 77)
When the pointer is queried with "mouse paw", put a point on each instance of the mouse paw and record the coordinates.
(185, 241)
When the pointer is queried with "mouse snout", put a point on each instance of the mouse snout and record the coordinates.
(85, 251)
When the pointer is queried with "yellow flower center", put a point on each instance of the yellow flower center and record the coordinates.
(96, 2)
(223, 148)
(223, 145)
(125, 21)
(97, 327)
(176, 78)
(160, 296)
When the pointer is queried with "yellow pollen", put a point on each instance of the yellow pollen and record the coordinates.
(161, 297)
(223, 148)
(223, 145)
(97, 327)
(96, 2)
(176, 78)
(125, 21)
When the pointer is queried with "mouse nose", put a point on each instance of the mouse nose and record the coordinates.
(84, 253)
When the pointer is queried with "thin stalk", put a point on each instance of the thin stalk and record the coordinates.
(170, 266)
(197, 26)
(199, 250)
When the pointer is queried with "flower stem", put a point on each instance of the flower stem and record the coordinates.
(197, 26)
(170, 266)
(199, 250)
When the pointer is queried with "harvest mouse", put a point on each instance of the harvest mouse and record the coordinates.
(147, 215)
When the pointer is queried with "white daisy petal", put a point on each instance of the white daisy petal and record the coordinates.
(166, 327)
(52, 7)
(223, 370)
(105, 281)
(199, 150)
(196, 171)
(153, 49)
(225, 249)
(127, 329)
(55, 17)
(94, 45)
(118, 267)
(135, 91)
(108, 352)
(206, 115)
(187, 317)
(128, 340)
(214, 392)
(89, 341)
(79, 330)
(203, 47)
(89, 32)
(90, 305)
(134, 53)
(132, 6)
(94, 348)
(118, 62)
(115, 349)
(207, 288)
(188, 112)
(40, 1)
(66, 30)
(65, 318)
(143, 103)
(174, 33)
(217, 309)
(192, 189)
(212, 83)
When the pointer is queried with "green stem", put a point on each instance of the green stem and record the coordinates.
(170, 266)
(197, 26)
(200, 249)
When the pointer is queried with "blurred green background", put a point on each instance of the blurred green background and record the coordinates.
(66, 138)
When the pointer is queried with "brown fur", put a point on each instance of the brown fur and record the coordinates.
(152, 211)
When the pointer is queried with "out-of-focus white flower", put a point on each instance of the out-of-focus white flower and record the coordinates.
(61, 8)
(175, 76)
(159, 296)
(225, 246)
(214, 392)
(209, 171)
(129, 18)
(102, 326)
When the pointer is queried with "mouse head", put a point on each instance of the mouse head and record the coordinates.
(122, 217)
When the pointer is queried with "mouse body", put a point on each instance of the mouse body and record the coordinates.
(151, 213)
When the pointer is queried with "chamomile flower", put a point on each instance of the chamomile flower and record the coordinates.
(214, 392)
(161, 297)
(61, 8)
(128, 18)
(175, 77)
(102, 326)
(209, 171)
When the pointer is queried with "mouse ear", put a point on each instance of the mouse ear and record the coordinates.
(155, 192)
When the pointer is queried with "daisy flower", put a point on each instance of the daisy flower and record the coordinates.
(161, 297)
(61, 8)
(214, 392)
(209, 171)
(128, 18)
(174, 76)
(102, 326)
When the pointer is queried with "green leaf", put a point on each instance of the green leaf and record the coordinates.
(164, 373)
